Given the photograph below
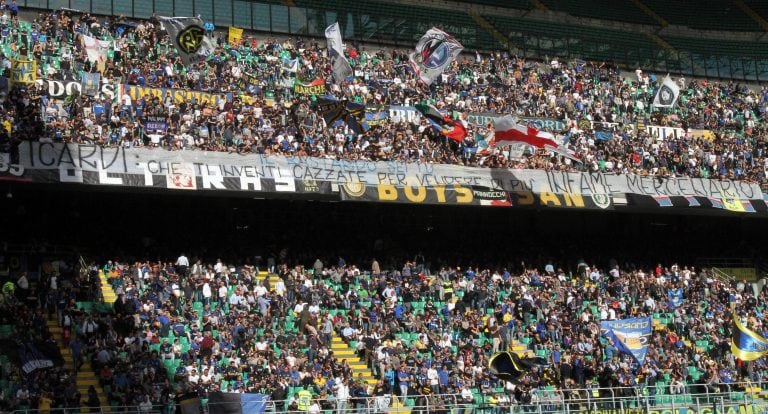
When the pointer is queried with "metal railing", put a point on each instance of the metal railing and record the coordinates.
(742, 398)
(725, 277)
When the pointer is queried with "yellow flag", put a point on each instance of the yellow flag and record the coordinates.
(733, 204)
(23, 71)
(235, 35)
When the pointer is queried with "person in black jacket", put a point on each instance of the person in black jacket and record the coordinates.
(279, 393)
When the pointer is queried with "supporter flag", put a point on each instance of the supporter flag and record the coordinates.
(291, 65)
(731, 202)
(234, 36)
(96, 50)
(315, 87)
(675, 297)
(23, 71)
(434, 52)
(630, 336)
(341, 68)
(484, 143)
(746, 344)
(236, 403)
(453, 129)
(507, 131)
(602, 132)
(508, 366)
(189, 37)
(31, 356)
(376, 116)
(89, 84)
(667, 94)
(333, 110)
(38, 355)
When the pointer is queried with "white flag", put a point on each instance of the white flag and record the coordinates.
(667, 94)
(341, 68)
(434, 52)
(95, 49)
(188, 36)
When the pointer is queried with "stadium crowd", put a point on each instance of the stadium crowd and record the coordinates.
(265, 116)
(188, 326)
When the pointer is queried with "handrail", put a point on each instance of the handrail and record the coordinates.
(725, 277)
(545, 400)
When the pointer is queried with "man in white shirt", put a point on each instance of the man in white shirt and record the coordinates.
(182, 265)
(222, 293)
(145, 406)
(342, 395)
(207, 293)
(218, 267)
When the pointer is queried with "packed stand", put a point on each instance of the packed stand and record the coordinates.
(427, 335)
(266, 117)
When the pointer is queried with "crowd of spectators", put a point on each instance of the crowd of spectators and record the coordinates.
(426, 334)
(186, 325)
(265, 116)
(26, 306)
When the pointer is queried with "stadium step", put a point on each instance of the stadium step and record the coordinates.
(342, 351)
(106, 289)
(85, 377)
(273, 278)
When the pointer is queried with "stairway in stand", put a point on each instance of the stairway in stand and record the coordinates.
(107, 293)
(273, 278)
(342, 351)
(85, 377)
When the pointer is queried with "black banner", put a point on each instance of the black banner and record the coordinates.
(31, 356)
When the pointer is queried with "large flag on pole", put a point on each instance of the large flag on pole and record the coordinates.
(508, 131)
(746, 344)
(188, 36)
(341, 68)
(667, 94)
(434, 52)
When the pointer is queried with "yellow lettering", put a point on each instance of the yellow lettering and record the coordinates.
(440, 191)
(464, 194)
(546, 197)
(524, 198)
(178, 97)
(573, 200)
(417, 197)
(387, 192)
